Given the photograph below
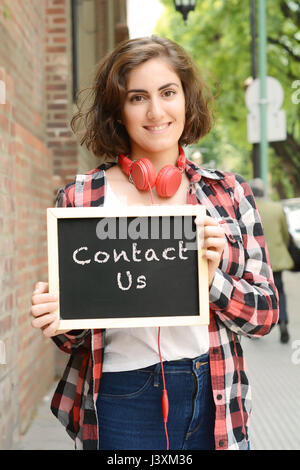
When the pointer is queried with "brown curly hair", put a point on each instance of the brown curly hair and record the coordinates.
(103, 132)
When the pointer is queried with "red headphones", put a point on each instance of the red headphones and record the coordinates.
(142, 174)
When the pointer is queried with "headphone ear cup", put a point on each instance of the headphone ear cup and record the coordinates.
(168, 181)
(143, 173)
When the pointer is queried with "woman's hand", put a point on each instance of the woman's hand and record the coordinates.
(213, 243)
(43, 308)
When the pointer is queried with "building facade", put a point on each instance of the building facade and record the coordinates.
(48, 52)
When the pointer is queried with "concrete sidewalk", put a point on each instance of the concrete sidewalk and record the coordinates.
(45, 431)
(274, 374)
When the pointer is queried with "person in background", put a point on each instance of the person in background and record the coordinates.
(277, 238)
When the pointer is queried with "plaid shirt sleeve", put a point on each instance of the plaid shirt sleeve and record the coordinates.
(246, 303)
(76, 340)
(243, 300)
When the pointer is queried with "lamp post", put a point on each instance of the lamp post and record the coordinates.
(184, 7)
(255, 151)
(263, 92)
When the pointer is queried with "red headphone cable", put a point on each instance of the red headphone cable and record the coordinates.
(164, 400)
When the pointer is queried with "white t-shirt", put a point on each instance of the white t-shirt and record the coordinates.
(135, 348)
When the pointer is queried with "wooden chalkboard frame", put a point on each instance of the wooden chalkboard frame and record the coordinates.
(54, 214)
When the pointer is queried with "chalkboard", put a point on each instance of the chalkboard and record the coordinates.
(127, 267)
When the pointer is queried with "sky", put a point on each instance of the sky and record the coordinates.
(142, 16)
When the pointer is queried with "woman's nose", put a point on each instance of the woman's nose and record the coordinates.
(155, 110)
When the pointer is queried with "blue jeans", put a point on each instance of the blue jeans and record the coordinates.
(129, 407)
(283, 317)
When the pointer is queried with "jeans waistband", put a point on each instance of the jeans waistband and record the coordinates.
(180, 365)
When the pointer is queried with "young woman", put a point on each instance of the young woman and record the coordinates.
(149, 100)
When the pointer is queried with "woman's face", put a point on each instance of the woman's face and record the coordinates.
(154, 108)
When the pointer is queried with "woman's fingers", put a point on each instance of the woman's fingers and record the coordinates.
(213, 246)
(42, 308)
(51, 329)
(213, 243)
(43, 298)
(217, 242)
(213, 233)
(41, 288)
(42, 302)
(44, 320)
(213, 249)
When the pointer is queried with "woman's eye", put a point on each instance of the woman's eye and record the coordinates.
(169, 93)
(137, 98)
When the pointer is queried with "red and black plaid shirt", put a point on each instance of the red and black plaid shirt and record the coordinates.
(243, 301)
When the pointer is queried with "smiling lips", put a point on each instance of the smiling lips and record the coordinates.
(157, 129)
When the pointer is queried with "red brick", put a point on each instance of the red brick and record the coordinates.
(59, 20)
(55, 11)
(55, 49)
(60, 39)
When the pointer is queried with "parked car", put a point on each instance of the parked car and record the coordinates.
(291, 208)
(292, 211)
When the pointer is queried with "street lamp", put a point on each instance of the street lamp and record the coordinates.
(255, 151)
(184, 7)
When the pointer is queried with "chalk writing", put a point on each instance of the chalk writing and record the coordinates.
(134, 255)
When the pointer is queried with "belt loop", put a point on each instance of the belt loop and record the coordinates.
(199, 362)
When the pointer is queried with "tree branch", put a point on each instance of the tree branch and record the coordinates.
(285, 47)
(288, 13)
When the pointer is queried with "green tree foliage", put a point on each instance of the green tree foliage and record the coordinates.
(218, 37)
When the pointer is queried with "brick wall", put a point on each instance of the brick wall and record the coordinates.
(25, 192)
(8, 271)
(60, 137)
(38, 154)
